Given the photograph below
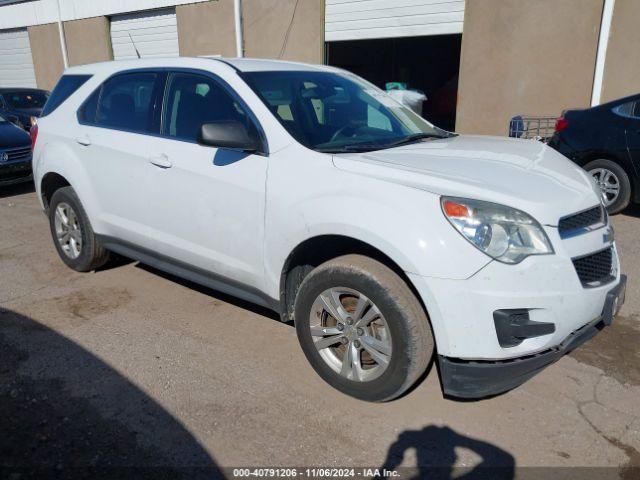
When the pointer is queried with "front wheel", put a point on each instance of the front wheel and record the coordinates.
(362, 328)
(613, 182)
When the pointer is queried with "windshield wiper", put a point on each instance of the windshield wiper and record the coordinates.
(369, 147)
(363, 147)
(337, 149)
(414, 138)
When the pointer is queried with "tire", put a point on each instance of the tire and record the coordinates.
(402, 328)
(87, 254)
(603, 168)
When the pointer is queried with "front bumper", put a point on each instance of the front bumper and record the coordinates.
(13, 173)
(478, 379)
(462, 311)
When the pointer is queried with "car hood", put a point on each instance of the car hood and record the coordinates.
(523, 174)
(12, 136)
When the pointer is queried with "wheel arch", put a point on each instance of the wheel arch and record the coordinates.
(318, 249)
(51, 182)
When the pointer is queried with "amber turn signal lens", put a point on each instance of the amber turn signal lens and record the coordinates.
(455, 210)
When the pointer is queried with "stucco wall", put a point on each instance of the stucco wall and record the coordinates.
(525, 57)
(47, 54)
(622, 64)
(277, 29)
(207, 28)
(88, 40)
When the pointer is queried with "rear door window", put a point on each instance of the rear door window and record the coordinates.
(125, 102)
(66, 86)
(629, 109)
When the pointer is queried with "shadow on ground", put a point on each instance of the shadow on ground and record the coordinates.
(223, 297)
(435, 451)
(64, 413)
(633, 210)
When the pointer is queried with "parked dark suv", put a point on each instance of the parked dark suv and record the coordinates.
(19, 105)
(605, 141)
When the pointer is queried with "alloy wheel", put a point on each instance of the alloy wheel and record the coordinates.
(350, 334)
(68, 230)
(608, 183)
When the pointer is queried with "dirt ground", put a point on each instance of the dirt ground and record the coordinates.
(127, 369)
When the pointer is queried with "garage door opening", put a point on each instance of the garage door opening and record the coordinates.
(150, 34)
(429, 64)
(16, 61)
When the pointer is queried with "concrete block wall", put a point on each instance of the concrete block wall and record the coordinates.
(88, 40)
(284, 29)
(207, 28)
(47, 54)
(533, 58)
(622, 65)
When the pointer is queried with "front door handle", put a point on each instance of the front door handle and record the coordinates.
(84, 140)
(161, 161)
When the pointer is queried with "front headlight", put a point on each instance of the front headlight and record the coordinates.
(503, 233)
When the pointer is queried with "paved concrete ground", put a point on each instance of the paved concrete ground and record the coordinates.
(128, 367)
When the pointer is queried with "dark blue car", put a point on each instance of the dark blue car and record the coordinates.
(605, 141)
(19, 105)
(15, 154)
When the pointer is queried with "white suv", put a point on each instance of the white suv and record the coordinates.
(388, 241)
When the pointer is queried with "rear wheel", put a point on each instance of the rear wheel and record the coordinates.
(362, 328)
(73, 236)
(614, 184)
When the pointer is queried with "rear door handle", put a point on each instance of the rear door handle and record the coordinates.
(161, 161)
(86, 141)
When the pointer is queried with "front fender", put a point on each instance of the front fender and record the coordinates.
(404, 223)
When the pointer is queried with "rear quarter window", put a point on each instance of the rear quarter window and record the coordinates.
(123, 102)
(66, 86)
(629, 109)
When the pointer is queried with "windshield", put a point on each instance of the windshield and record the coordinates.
(25, 100)
(338, 112)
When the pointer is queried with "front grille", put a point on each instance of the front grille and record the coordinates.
(585, 219)
(14, 154)
(595, 269)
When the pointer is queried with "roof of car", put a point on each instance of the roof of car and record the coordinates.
(240, 64)
(262, 65)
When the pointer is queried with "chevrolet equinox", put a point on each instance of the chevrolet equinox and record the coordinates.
(390, 243)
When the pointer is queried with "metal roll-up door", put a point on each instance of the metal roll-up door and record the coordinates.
(365, 19)
(154, 34)
(16, 62)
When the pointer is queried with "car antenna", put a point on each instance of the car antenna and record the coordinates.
(134, 45)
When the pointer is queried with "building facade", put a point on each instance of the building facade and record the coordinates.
(479, 62)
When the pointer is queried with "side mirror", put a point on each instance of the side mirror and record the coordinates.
(229, 134)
